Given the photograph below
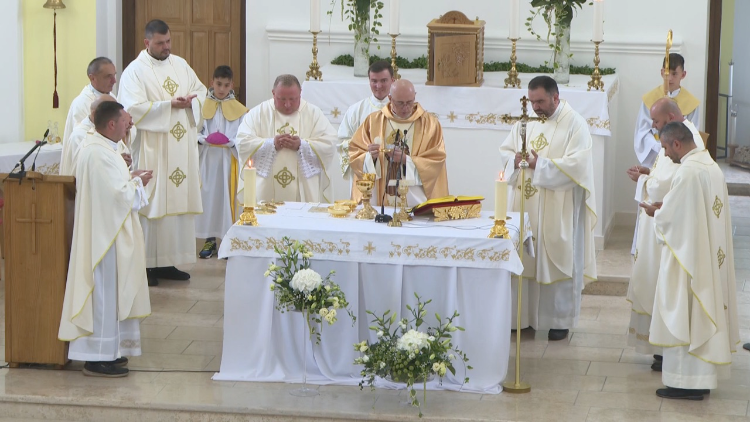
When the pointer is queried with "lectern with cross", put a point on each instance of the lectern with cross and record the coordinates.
(38, 227)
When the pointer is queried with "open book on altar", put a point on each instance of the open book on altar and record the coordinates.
(468, 203)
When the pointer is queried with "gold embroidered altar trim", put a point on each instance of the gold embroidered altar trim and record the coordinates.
(452, 252)
(460, 212)
(598, 123)
(269, 243)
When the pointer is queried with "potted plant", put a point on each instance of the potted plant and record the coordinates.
(364, 20)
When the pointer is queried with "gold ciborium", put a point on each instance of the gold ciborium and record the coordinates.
(367, 212)
(403, 189)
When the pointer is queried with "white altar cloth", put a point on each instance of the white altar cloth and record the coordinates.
(48, 161)
(463, 107)
(379, 268)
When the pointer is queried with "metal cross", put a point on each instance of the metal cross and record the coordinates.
(33, 220)
(524, 118)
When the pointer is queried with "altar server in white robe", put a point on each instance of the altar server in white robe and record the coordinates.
(653, 185)
(164, 96)
(559, 193)
(79, 134)
(103, 77)
(218, 161)
(290, 143)
(106, 290)
(380, 74)
(695, 306)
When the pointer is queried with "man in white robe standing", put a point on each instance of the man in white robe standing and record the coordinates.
(106, 288)
(559, 193)
(695, 307)
(290, 143)
(103, 76)
(380, 74)
(653, 185)
(164, 96)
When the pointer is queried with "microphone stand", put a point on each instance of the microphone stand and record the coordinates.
(383, 217)
(22, 172)
(395, 221)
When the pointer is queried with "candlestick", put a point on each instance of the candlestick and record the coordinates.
(393, 57)
(501, 198)
(512, 79)
(515, 19)
(395, 13)
(314, 71)
(248, 175)
(314, 15)
(596, 76)
(598, 20)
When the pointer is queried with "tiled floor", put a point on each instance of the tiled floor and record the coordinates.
(593, 376)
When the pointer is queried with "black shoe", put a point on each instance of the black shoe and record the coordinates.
(123, 361)
(152, 280)
(680, 393)
(209, 249)
(656, 366)
(658, 358)
(169, 273)
(555, 335)
(104, 369)
(746, 346)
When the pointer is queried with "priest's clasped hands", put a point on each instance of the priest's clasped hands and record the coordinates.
(650, 208)
(635, 172)
(286, 140)
(531, 159)
(183, 102)
(145, 175)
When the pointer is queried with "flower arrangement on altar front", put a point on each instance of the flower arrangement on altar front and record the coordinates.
(299, 288)
(405, 354)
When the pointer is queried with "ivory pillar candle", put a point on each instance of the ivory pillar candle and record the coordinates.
(501, 198)
(515, 19)
(314, 15)
(395, 13)
(598, 21)
(248, 175)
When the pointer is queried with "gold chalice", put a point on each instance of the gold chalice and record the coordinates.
(367, 212)
(403, 189)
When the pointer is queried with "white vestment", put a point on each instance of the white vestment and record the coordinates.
(73, 144)
(217, 178)
(80, 109)
(167, 143)
(287, 175)
(646, 145)
(695, 306)
(352, 120)
(647, 251)
(560, 202)
(106, 288)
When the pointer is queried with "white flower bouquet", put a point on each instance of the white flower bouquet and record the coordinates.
(413, 356)
(299, 288)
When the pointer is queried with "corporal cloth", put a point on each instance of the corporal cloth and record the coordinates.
(219, 168)
(560, 202)
(287, 175)
(695, 307)
(167, 144)
(647, 251)
(425, 164)
(646, 141)
(106, 287)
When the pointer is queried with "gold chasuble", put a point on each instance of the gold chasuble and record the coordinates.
(684, 99)
(168, 137)
(427, 149)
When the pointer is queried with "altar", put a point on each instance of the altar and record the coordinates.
(379, 268)
(47, 162)
(473, 132)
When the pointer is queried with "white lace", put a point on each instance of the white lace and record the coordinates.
(309, 164)
(264, 157)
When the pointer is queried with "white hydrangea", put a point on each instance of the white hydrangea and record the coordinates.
(306, 281)
(413, 341)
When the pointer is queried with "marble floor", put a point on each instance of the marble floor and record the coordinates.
(591, 376)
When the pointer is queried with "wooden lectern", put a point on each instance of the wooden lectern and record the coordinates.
(455, 47)
(38, 227)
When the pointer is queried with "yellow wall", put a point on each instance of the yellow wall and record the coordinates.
(76, 47)
(727, 44)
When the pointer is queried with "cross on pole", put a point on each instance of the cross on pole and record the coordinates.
(524, 118)
(33, 220)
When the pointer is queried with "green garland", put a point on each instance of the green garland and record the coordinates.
(421, 63)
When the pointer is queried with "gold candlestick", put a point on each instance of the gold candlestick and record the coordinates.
(512, 79)
(596, 76)
(314, 71)
(499, 230)
(247, 218)
(393, 56)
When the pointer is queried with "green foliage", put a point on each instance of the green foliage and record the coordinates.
(421, 63)
(558, 15)
(412, 356)
(358, 13)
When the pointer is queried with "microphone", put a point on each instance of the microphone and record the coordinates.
(33, 164)
(383, 217)
(21, 173)
(401, 169)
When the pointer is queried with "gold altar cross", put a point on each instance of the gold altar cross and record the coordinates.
(667, 72)
(33, 220)
(524, 118)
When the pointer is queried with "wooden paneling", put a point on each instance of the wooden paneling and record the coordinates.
(713, 66)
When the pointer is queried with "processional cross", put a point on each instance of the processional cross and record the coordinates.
(33, 220)
(524, 118)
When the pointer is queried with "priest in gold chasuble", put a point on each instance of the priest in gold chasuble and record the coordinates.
(424, 155)
(290, 143)
(559, 193)
(164, 97)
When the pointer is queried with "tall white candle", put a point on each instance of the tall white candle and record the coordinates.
(395, 13)
(598, 21)
(248, 175)
(501, 198)
(515, 19)
(314, 15)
